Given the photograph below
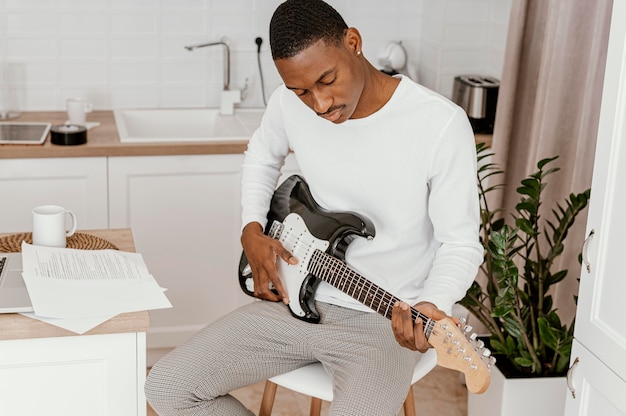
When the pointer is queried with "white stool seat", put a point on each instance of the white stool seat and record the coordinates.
(312, 380)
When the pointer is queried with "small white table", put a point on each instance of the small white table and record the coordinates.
(48, 370)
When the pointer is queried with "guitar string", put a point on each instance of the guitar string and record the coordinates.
(298, 244)
(340, 271)
(337, 266)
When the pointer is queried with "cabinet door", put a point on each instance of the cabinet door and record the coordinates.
(600, 325)
(96, 375)
(598, 391)
(185, 215)
(78, 184)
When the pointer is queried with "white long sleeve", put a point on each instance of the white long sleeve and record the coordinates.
(410, 167)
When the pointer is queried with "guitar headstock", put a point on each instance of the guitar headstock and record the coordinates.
(457, 352)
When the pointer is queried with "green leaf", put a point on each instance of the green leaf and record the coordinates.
(524, 362)
(549, 335)
(556, 277)
(544, 162)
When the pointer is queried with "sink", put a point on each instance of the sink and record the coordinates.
(185, 124)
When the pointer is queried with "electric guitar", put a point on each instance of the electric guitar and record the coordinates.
(319, 239)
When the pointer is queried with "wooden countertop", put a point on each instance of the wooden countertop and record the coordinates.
(104, 141)
(16, 326)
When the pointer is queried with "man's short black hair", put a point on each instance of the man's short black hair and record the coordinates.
(298, 24)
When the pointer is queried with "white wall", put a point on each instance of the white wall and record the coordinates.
(129, 53)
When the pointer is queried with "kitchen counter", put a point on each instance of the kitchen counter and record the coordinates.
(104, 141)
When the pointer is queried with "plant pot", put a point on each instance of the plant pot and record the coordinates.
(538, 396)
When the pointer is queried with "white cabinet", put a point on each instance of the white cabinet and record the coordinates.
(96, 375)
(78, 184)
(598, 373)
(599, 391)
(185, 213)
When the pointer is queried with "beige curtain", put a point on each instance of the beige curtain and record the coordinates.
(549, 104)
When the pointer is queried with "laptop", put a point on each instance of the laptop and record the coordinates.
(13, 293)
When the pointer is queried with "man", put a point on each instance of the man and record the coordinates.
(366, 142)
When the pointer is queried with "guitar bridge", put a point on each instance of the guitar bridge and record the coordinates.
(276, 230)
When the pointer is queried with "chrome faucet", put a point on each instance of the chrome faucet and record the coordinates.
(226, 59)
(228, 97)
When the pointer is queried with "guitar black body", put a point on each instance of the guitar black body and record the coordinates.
(338, 229)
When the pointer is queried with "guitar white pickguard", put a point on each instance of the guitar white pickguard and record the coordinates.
(297, 239)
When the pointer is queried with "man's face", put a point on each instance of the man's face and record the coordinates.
(328, 79)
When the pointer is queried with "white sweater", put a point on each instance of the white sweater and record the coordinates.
(410, 168)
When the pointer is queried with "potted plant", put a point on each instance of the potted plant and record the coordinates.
(514, 302)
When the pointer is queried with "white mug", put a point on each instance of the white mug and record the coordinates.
(49, 226)
(77, 110)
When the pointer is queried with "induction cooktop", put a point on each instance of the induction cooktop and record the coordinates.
(24, 133)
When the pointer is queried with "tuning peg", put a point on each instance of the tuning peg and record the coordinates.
(467, 328)
(473, 337)
(489, 361)
(480, 344)
(462, 322)
(486, 353)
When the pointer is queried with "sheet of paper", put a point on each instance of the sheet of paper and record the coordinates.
(82, 265)
(77, 325)
(77, 284)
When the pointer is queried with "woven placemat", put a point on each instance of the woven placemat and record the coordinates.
(13, 243)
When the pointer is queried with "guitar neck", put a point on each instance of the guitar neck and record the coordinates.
(336, 273)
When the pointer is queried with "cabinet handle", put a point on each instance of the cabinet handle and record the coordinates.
(585, 246)
(570, 376)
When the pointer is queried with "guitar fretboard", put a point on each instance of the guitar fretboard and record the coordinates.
(336, 273)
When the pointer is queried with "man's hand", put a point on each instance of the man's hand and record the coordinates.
(410, 334)
(262, 253)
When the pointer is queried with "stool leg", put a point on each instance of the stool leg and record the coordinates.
(316, 406)
(409, 403)
(269, 393)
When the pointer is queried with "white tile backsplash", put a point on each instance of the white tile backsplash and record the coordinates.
(134, 73)
(39, 73)
(25, 22)
(82, 47)
(83, 73)
(28, 48)
(467, 10)
(81, 22)
(134, 47)
(130, 53)
(144, 22)
(472, 35)
(182, 96)
(188, 22)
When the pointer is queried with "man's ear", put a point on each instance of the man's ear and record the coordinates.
(352, 40)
